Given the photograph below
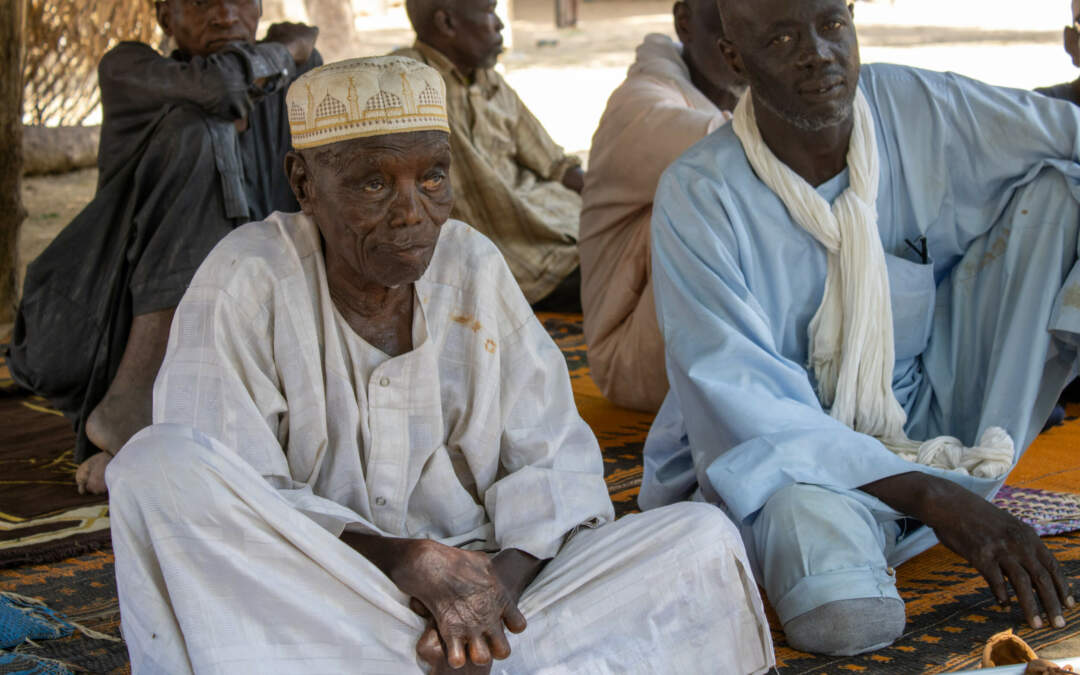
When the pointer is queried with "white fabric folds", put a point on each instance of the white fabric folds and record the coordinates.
(851, 335)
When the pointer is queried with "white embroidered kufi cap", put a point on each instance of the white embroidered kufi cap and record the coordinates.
(365, 97)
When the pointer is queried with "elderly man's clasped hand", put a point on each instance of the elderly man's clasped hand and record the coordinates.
(465, 601)
(469, 598)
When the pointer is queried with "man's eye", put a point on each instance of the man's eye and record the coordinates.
(434, 181)
(374, 185)
(834, 25)
(781, 39)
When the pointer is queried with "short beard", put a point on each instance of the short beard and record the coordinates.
(811, 124)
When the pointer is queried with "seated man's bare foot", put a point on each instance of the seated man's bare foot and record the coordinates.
(90, 476)
(113, 421)
(109, 426)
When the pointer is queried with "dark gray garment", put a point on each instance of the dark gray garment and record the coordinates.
(175, 177)
(1066, 91)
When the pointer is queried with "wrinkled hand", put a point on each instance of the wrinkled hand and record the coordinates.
(1002, 547)
(90, 477)
(466, 601)
(1044, 667)
(431, 651)
(298, 38)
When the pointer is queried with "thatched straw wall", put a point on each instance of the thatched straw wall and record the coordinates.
(65, 39)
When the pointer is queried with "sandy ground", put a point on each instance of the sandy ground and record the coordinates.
(565, 76)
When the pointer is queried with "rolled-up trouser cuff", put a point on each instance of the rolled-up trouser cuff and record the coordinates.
(814, 591)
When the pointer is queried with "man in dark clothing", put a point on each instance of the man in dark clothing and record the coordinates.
(1069, 91)
(191, 146)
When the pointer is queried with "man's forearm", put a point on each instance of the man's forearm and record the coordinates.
(134, 78)
(386, 553)
(516, 569)
(914, 494)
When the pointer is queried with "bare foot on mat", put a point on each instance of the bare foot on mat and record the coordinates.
(90, 476)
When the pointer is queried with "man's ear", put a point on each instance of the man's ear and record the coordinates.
(443, 23)
(164, 16)
(682, 21)
(1072, 44)
(300, 179)
(732, 56)
(851, 9)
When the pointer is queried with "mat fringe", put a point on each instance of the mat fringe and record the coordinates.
(88, 632)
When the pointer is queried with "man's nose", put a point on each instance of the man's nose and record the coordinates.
(224, 12)
(406, 209)
(815, 50)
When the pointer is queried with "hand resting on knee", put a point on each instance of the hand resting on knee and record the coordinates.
(994, 541)
(467, 597)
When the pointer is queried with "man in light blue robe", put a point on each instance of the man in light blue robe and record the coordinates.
(985, 328)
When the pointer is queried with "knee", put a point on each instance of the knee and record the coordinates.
(800, 505)
(792, 505)
(698, 526)
(152, 461)
(847, 627)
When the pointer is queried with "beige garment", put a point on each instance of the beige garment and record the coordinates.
(507, 175)
(472, 438)
(217, 574)
(655, 115)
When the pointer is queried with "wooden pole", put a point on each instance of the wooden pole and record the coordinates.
(566, 13)
(12, 214)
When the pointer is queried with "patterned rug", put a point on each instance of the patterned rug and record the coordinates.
(951, 612)
(621, 432)
(42, 517)
(84, 590)
(1048, 512)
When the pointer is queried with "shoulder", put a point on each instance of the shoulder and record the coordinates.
(254, 258)
(409, 53)
(491, 80)
(124, 56)
(129, 48)
(710, 191)
(896, 87)
(642, 91)
(717, 156)
(461, 251)
(470, 266)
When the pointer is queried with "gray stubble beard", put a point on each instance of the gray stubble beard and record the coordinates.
(804, 123)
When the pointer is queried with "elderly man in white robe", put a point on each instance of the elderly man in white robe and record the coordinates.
(366, 455)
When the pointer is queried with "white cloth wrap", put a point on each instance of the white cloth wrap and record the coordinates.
(851, 334)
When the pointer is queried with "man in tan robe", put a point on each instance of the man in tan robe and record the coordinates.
(515, 184)
(673, 96)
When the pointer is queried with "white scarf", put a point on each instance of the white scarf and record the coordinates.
(851, 334)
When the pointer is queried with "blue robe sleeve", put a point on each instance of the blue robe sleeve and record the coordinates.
(956, 149)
